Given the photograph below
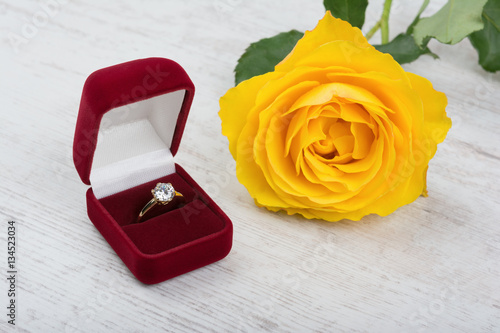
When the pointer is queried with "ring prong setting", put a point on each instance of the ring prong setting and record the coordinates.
(163, 193)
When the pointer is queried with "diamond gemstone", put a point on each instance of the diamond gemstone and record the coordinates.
(164, 192)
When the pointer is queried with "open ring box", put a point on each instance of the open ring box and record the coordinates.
(129, 128)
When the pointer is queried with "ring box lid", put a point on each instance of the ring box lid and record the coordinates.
(130, 123)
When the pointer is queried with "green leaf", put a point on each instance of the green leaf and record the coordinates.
(352, 11)
(261, 57)
(452, 23)
(409, 31)
(403, 49)
(487, 41)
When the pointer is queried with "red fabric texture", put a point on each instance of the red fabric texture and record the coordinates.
(167, 227)
(162, 247)
(170, 240)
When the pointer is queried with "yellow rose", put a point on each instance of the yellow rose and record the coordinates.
(337, 131)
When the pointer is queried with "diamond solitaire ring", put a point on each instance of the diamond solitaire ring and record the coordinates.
(163, 194)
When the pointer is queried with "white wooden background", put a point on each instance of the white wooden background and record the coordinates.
(432, 266)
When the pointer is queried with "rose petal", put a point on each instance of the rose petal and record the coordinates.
(236, 104)
(327, 30)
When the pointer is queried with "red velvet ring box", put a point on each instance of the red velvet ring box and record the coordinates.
(129, 128)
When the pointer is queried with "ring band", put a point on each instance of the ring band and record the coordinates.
(163, 194)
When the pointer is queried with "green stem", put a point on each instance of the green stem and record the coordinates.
(384, 22)
(373, 30)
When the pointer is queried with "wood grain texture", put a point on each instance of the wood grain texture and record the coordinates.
(432, 266)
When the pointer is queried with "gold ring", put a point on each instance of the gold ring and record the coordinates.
(163, 194)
